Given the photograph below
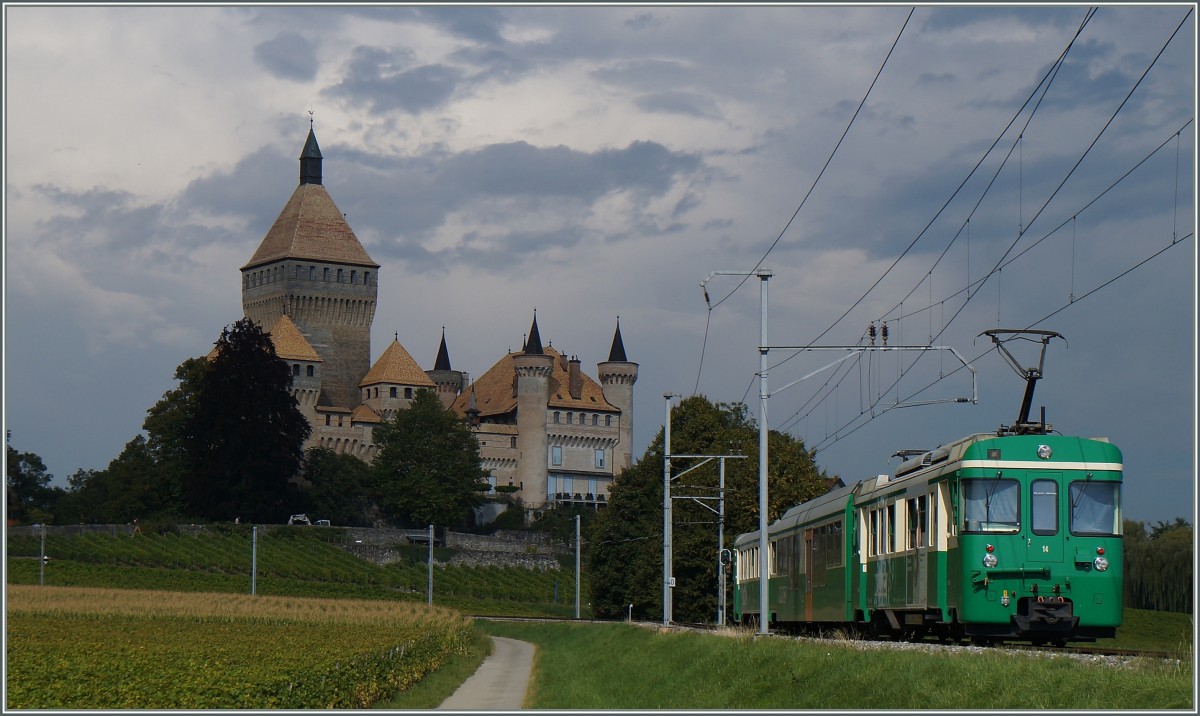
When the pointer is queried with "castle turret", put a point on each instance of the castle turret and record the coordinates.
(533, 368)
(617, 376)
(311, 266)
(449, 382)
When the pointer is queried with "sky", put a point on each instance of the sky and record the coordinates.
(935, 169)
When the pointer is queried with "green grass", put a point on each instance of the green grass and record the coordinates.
(435, 688)
(1147, 630)
(618, 666)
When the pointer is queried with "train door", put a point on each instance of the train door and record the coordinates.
(917, 509)
(808, 574)
(1044, 534)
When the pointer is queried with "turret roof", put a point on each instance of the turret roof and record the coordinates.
(443, 357)
(398, 367)
(290, 343)
(617, 352)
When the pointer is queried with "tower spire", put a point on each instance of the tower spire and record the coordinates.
(443, 355)
(533, 344)
(310, 158)
(617, 352)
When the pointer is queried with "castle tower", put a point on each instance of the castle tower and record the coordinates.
(533, 367)
(449, 382)
(311, 267)
(617, 376)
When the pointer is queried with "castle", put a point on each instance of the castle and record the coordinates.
(547, 431)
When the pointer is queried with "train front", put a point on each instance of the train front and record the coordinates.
(1039, 539)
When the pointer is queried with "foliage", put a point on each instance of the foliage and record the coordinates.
(206, 651)
(1159, 565)
(335, 487)
(559, 521)
(243, 441)
(427, 470)
(132, 487)
(625, 558)
(30, 496)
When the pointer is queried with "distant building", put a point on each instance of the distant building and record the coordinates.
(550, 430)
(543, 425)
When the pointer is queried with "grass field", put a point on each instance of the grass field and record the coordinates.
(619, 666)
(80, 648)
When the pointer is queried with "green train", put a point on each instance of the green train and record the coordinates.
(1012, 535)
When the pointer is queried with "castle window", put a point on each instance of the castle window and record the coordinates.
(556, 416)
(339, 421)
(366, 278)
(325, 274)
(326, 420)
(512, 442)
(296, 275)
(599, 460)
(312, 273)
(296, 369)
(339, 276)
(393, 392)
(608, 421)
(595, 419)
(408, 393)
(309, 370)
(556, 455)
(569, 418)
(353, 276)
(377, 392)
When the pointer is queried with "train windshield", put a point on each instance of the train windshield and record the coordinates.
(1094, 508)
(991, 505)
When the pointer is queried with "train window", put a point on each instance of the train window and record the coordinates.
(1094, 508)
(891, 527)
(873, 537)
(991, 505)
(1043, 507)
(917, 527)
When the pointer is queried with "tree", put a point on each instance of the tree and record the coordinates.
(30, 496)
(625, 556)
(336, 487)
(132, 487)
(243, 438)
(166, 420)
(427, 470)
(1159, 565)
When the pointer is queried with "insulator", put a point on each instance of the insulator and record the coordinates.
(871, 332)
(884, 333)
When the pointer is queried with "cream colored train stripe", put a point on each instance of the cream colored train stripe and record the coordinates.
(1043, 465)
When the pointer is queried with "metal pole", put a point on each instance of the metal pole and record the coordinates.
(430, 581)
(667, 512)
(763, 550)
(254, 560)
(42, 572)
(576, 566)
(721, 546)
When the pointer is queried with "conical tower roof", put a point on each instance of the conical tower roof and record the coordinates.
(443, 357)
(533, 344)
(397, 366)
(617, 352)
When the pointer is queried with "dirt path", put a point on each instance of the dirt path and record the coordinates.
(499, 683)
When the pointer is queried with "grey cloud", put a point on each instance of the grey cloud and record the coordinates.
(936, 78)
(686, 103)
(482, 24)
(377, 79)
(645, 74)
(642, 21)
(504, 183)
(288, 56)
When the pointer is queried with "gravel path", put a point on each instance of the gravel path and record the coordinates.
(500, 682)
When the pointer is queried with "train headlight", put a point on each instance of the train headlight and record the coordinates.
(989, 561)
(1101, 563)
(1044, 452)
